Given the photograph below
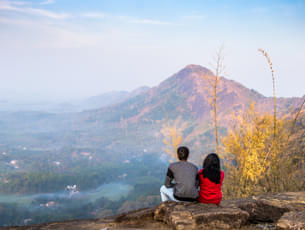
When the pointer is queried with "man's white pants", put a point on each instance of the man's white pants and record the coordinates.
(167, 194)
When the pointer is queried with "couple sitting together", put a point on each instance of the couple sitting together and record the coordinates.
(183, 179)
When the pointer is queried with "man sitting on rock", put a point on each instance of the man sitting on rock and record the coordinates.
(181, 179)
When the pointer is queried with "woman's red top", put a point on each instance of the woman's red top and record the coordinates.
(210, 193)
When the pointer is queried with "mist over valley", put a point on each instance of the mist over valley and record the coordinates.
(110, 147)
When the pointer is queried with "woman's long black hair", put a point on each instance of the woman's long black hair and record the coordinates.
(211, 168)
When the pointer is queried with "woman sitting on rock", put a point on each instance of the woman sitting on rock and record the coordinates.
(210, 180)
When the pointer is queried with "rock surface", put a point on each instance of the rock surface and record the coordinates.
(200, 216)
(280, 211)
(269, 208)
(292, 220)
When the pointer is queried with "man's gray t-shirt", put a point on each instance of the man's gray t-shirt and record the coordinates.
(184, 175)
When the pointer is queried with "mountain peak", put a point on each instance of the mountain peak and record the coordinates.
(188, 76)
(196, 68)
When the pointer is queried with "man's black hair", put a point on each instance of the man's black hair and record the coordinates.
(183, 153)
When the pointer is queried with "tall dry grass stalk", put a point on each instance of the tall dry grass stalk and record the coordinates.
(266, 55)
(275, 148)
(213, 82)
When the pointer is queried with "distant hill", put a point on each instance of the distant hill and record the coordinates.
(186, 95)
(104, 99)
(110, 98)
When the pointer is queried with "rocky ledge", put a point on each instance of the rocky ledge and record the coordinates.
(280, 211)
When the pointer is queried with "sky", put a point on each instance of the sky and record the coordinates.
(72, 49)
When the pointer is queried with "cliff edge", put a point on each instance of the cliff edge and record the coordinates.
(279, 211)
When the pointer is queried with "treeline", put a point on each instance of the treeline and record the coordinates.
(35, 182)
(143, 170)
(41, 182)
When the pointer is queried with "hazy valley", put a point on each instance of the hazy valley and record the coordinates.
(110, 146)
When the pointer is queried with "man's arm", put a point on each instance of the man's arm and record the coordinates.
(168, 179)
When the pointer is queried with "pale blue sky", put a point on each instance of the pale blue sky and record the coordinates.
(76, 48)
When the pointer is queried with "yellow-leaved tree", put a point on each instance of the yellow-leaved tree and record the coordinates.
(172, 135)
(256, 163)
(244, 148)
